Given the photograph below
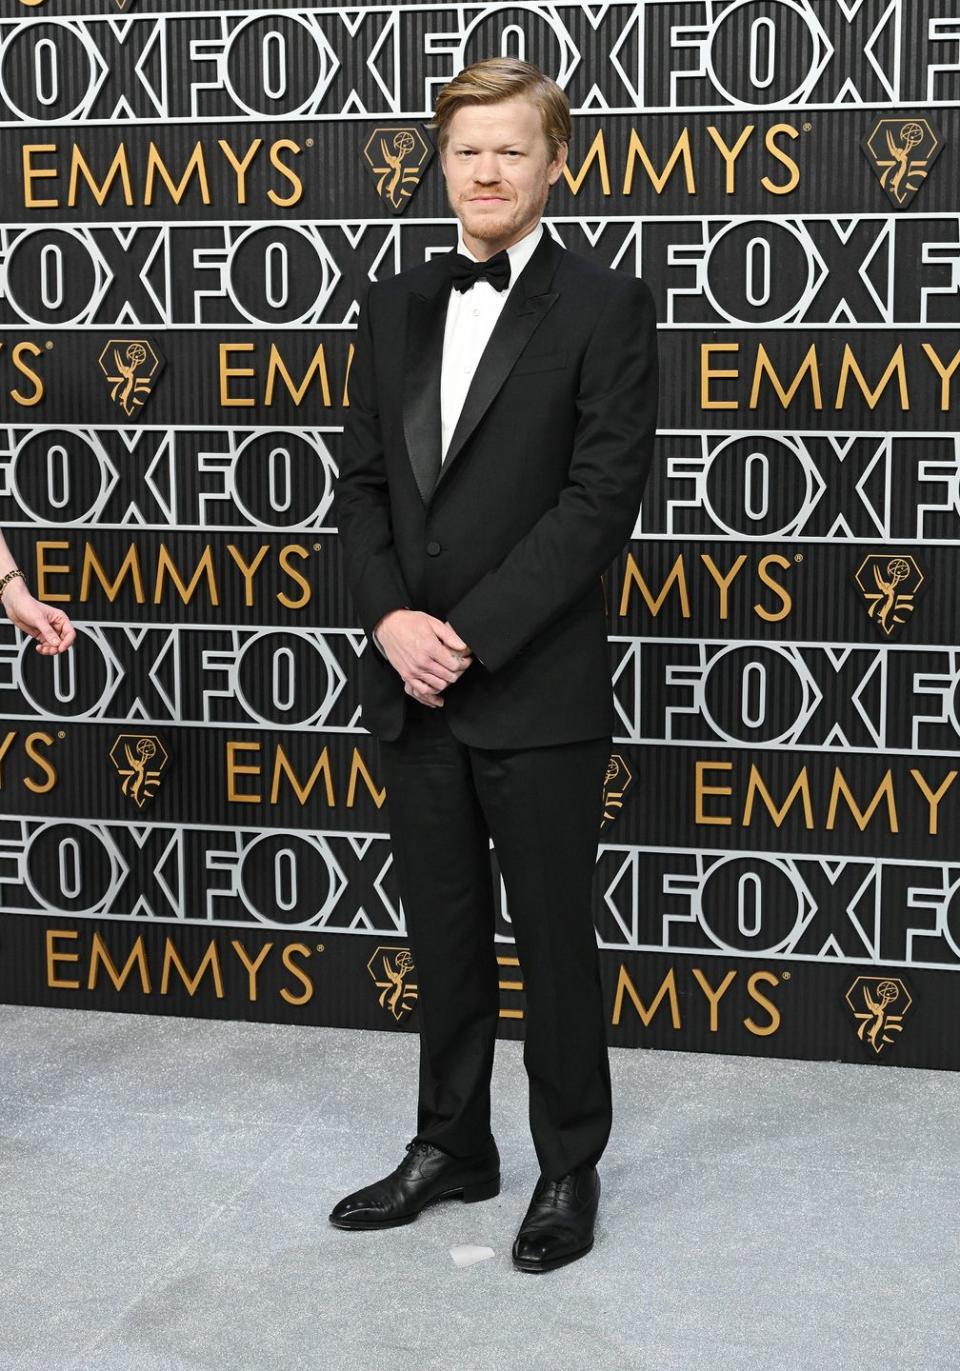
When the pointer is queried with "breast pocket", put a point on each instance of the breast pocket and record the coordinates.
(540, 361)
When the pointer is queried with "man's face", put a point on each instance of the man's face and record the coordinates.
(498, 173)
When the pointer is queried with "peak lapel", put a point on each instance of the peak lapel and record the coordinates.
(422, 358)
(526, 305)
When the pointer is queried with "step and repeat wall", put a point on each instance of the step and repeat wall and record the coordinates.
(195, 196)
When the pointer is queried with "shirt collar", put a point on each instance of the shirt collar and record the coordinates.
(519, 252)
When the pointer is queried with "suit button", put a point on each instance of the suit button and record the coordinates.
(433, 549)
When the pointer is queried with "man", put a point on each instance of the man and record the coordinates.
(502, 407)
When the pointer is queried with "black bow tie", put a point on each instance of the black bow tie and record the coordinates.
(465, 271)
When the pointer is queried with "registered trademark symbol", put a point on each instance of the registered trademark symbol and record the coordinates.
(61, 734)
(48, 344)
(317, 547)
(807, 126)
(319, 947)
(309, 143)
(785, 976)
(798, 556)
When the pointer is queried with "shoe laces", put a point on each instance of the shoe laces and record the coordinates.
(552, 1191)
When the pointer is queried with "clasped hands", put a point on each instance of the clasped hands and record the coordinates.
(428, 653)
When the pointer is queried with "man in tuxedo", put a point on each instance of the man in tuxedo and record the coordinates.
(502, 410)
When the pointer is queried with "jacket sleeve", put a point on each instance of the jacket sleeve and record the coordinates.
(361, 497)
(575, 540)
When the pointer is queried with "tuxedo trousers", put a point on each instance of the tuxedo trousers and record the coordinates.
(542, 808)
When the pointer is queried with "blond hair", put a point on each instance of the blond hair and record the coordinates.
(505, 78)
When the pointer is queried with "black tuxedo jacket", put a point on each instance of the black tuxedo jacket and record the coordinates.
(537, 495)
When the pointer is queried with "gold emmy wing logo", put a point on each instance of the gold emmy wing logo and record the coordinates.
(889, 583)
(902, 151)
(391, 969)
(616, 783)
(131, 366)
(139, 758)
(872, 1000)
(397, 158)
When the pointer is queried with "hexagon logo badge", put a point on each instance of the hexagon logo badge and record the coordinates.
(616, 783)
(901, 152)
(392, 971)
(131, 366)
(889, 583)
(873, 1001)
(397, 158)
(140, 759)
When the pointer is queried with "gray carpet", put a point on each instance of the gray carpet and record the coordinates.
(164, 1186)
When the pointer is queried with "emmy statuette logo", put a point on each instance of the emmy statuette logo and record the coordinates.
(397, 158)
(131, 365)
(616, 783)
(901, 152)
(873, 1000)
(889, 583)
(392, 970)
(139, 758)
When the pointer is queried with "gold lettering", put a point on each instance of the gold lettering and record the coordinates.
(933, 798)
(285, 145)
(772, 132)
(668, 989)
(167, 566)
(195, 166)
(32, 173)
(764, 367)
(724, 582)
(130, 563)
(52, 569)
(944, 371)
(700, 790)
(850, 366)
(40, 787)
(730, 155)
(240, 166)
(755, 786)
(28, 372)
(681, 152)
(709, 372)
(235, 768)
(251, 967)
(884, 791)
(763, 1030)
(597, 152)
(786, 599)
(286, 552)
(226, 398)
(299, 972)
(53, 934)
(276, 365)
(138, 956)
(632, 577)
(118, 167)
(171, 957)
(283, 766)
(714, 996)
(248, 571)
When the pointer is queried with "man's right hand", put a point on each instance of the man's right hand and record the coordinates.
(426, 653)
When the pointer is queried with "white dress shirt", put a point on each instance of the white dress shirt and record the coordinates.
(471, 315)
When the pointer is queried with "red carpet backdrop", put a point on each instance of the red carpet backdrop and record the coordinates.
(195, 197)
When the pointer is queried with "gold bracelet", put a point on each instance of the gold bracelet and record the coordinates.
(9, 577)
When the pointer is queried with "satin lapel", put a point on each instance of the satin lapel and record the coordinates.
(526, 305)
(423, 354)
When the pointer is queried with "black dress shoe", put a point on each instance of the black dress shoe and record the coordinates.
(425, 1175)
(558, 1225)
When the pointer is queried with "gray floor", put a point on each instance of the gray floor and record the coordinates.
(164, 1186)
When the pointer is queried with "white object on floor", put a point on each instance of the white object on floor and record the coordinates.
(468, 1254)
